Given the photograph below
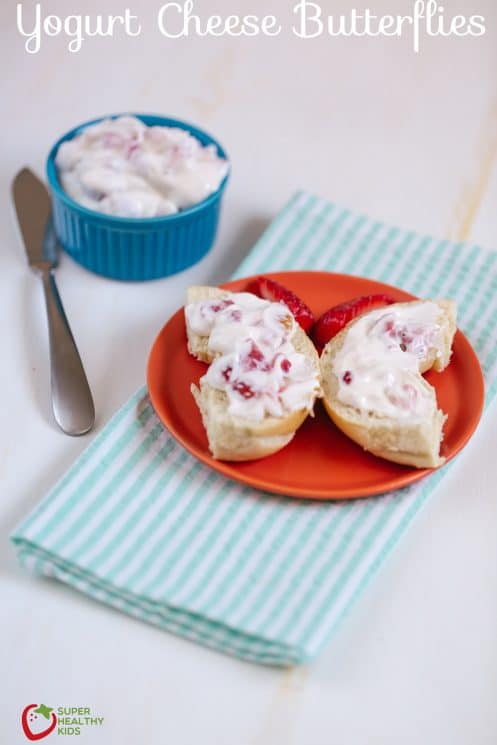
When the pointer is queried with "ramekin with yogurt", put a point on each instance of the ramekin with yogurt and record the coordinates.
(125, 168)
(137, 196)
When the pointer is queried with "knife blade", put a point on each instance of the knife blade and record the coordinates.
(33, 209)
(72, 402)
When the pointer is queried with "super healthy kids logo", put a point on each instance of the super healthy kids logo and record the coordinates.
(305, 19)
(39, 721)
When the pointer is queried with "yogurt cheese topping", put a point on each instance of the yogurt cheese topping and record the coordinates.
(255, 365)
(123, 167)
(378, 364)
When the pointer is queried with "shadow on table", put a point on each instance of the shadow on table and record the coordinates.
(248, 234)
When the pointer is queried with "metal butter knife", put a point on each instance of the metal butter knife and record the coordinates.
(72, 401)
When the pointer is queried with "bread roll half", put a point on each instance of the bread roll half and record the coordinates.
(392, 413)
(232, 437)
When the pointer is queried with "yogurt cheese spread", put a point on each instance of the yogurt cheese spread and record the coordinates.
(378, 365)
(123, 167)
(256, 365)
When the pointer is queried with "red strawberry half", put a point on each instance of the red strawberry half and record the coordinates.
(276, 293)
(336, 318)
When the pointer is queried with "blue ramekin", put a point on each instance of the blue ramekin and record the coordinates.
(135, 249)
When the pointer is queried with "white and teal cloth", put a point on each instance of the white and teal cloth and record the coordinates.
(139, 524)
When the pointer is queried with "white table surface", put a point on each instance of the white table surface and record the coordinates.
(365, 122)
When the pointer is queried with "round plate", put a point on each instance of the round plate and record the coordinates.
(320, 462)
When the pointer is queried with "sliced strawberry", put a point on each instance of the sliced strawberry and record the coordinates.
(336, 318)
(276, 293)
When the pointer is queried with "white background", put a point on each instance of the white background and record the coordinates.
(408, 138)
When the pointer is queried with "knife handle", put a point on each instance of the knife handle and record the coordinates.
(72, 401)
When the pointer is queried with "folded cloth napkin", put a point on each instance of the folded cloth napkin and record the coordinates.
(141, 525)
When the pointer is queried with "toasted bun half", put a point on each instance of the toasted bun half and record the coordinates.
(233, 437)
(415, 443)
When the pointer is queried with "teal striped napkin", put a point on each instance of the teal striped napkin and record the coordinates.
(139, 524)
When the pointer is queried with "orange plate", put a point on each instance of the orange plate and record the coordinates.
(320, 462)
